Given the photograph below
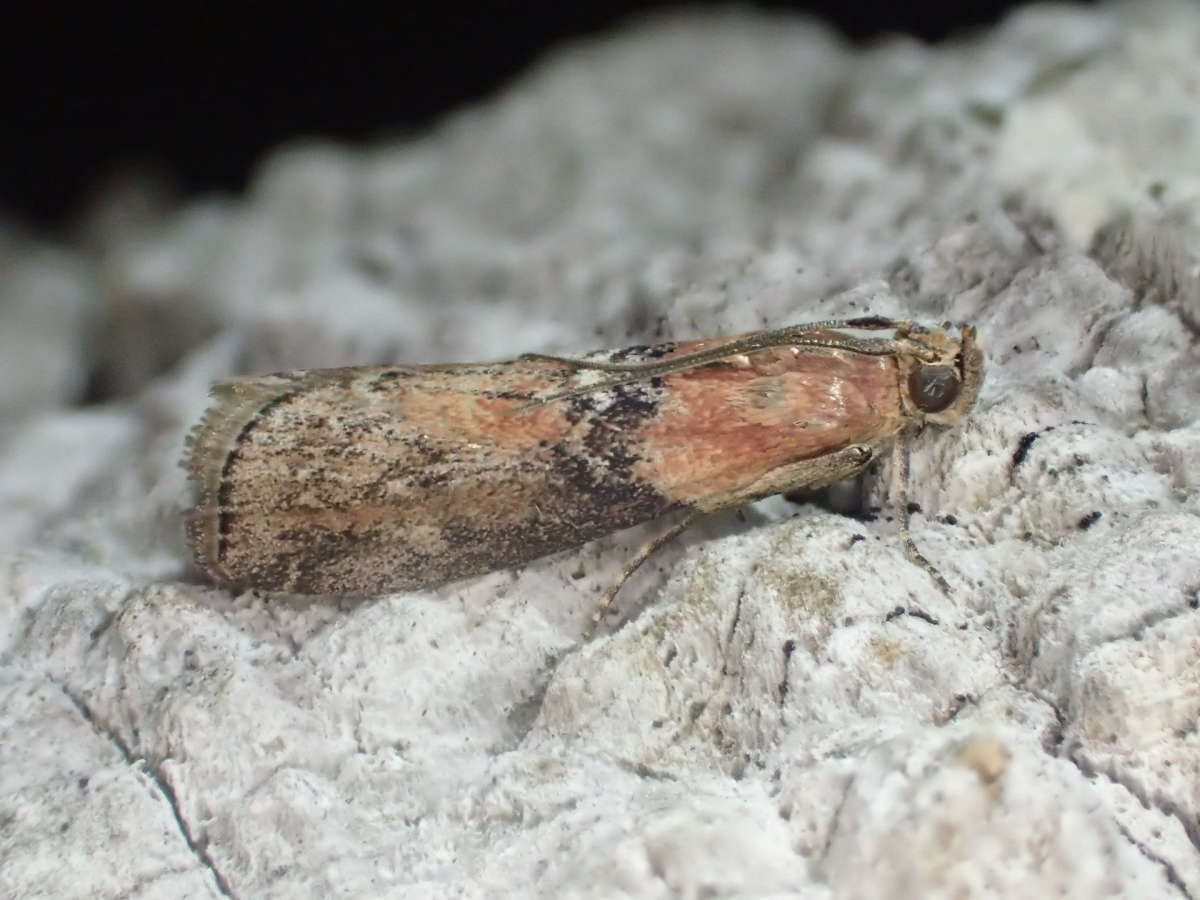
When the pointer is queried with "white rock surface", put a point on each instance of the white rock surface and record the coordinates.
(787, 711)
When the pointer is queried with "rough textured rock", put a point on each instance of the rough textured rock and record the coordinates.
(787, 711)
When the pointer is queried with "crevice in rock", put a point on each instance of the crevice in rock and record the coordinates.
(197, 848)
(1153, 618)
(1171, 873)
(1166, 808)
(735, 621)
(524, 713)
(835, 821)
(1069, 754)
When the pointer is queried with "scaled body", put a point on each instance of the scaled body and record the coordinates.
(363, 480)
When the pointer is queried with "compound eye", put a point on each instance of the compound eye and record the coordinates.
(933, 388)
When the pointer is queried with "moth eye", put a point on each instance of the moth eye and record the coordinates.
(933, 388)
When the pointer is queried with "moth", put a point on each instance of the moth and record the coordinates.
(365, 480)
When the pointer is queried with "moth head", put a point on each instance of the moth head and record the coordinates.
(943, 376)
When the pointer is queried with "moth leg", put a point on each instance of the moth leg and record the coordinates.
(648, 549)
(899, 491)
(816, 472)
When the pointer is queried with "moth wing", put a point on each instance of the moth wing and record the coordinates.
(365, 479)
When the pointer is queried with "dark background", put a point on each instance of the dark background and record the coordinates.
(203, 93)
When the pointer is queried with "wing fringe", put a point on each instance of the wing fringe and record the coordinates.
(237, 402)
